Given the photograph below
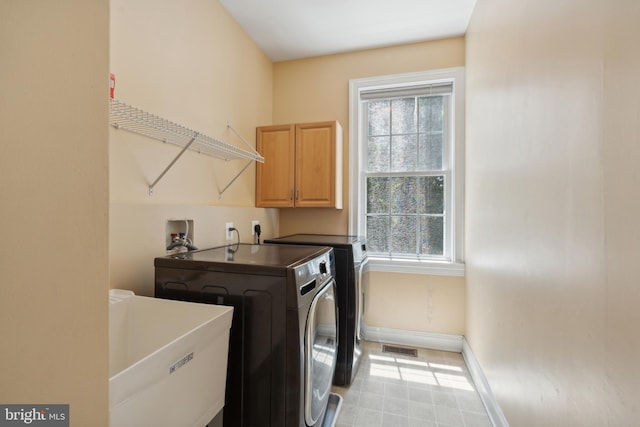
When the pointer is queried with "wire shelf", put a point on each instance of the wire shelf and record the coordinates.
(125, 116)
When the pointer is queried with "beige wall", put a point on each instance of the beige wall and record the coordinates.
(419, 303)
(620, 151)
(188, 62)
(552, 208)
(317, 89)
(54, 209)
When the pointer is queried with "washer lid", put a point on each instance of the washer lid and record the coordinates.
(244, 256)
(318, 239)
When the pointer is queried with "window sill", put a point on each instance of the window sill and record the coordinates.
(434, 268)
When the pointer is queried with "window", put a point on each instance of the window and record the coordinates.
(406, 170)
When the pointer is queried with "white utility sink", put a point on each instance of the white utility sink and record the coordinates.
(167, 361)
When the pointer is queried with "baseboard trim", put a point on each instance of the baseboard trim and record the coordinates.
(445, 342)
(482, 386)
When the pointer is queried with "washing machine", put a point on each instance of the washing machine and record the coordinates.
(283, 339)
(352, 274)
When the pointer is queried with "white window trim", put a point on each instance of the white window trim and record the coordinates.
(356, 159)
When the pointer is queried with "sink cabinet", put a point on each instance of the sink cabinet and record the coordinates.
(302, 165)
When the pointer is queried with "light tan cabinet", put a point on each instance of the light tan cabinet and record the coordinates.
(302, 166)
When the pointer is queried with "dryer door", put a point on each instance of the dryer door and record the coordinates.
(320, 344)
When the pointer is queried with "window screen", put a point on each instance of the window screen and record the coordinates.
(406, 171)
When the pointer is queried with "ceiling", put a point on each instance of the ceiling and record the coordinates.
(293, 29)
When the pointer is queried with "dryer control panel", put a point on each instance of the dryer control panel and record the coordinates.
(313, 274)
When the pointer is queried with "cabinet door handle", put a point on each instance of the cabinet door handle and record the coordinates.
(297, 194)
(291, 194)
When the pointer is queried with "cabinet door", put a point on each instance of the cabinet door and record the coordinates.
(318, 165)
(275, 177)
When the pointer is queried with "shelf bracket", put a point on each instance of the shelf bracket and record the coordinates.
(220, 192)
(234, 179)
(185, 148)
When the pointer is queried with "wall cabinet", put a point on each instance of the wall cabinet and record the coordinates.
(302, 166)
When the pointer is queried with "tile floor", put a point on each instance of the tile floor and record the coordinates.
(431, 390)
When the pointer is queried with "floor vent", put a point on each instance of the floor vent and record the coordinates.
(405, 351)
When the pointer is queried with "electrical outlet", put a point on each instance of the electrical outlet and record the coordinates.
(253, 226)
(227, 229)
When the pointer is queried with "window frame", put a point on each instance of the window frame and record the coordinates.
(454, 266)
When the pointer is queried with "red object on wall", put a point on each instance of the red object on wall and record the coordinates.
(112, 85)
